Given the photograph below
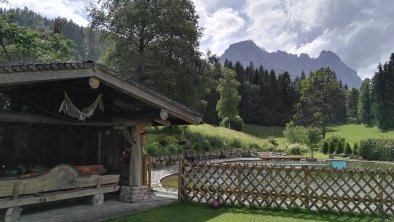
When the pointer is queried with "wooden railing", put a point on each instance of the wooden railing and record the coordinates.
(315, 189)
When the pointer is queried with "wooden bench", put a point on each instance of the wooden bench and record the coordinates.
(60, 183)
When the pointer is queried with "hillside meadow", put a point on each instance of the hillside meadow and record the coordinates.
(353, 133)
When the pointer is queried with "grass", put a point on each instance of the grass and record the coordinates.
(353, 133)
(209, 130)
(195, 212)
(170, 182)
(265, 132)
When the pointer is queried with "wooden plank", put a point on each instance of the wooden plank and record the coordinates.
(153, 100)
(15, 117)
(55, 196)
(16, 78)
(61, 177)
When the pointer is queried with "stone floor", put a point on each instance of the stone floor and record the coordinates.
(78, 210)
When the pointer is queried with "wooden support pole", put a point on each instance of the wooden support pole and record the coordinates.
(136, 156)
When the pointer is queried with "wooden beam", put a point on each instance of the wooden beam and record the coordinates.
(55, 196)
(17, 78)
(149, 98)
(14, 117)
(162, 122)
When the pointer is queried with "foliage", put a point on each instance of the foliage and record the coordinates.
(355, 149)
(325, 147)
(377, 149)
(227, 106)
(336, 144)
(339, 148)
(322, 100)
(155, 43)
(348, 149)
(201, 138)
(88, 43)
(313, 137)
(364, 103)
(382, 93)
(236, 123)
(294, 134)
(297, 149)
(26, 45)
(352, 105)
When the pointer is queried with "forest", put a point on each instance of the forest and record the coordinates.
(165, 56)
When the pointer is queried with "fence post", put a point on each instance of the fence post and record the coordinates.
(180, 179)
(380, 192)
(306, 187)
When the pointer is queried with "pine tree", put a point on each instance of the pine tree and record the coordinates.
(364, 103)
(351, 105)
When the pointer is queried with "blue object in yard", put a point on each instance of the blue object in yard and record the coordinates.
(339, 164)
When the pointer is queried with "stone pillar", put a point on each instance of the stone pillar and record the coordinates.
(12, 214)
(98, 199)
(134, 194)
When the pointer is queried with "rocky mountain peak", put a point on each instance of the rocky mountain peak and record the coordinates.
(247, 52)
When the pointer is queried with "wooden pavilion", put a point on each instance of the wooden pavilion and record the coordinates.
(80, 114)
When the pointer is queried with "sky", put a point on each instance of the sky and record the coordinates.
(361, 32)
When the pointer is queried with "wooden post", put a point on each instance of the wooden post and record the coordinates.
(180, 180)
(306, 188)
(135, 177)
(379, 181)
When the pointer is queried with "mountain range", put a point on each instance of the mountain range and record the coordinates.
(248, 52)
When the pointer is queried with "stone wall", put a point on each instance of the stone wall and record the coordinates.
(162, 161)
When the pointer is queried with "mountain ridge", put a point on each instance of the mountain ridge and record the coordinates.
(247, 52)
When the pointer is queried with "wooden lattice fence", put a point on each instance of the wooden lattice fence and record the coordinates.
(315, 189)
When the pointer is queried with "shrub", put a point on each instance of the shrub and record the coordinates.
(294, 134)
(172, 130)
(235, 143)
(297, 149)
(355, 149)
(339, 148)
(151, 149)
(165, 140)
(272, 140)
(325, 147)
(377, 149)
(348, 149)
(235, 123)
(216, 142)
(333, 144)
(255, 146)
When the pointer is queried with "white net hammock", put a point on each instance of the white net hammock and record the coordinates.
(68, 107)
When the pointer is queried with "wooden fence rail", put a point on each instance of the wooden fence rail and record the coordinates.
(315, 189)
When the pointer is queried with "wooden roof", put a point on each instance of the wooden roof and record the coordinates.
(36, 73)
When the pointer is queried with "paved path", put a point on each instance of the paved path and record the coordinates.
(79, 210)
(159, 174)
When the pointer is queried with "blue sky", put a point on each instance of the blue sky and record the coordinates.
(361, 32)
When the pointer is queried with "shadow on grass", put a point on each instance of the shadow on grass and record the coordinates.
(197, 212)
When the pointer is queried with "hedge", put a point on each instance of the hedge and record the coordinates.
(377, 149)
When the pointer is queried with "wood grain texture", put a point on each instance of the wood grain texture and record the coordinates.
(61, 177)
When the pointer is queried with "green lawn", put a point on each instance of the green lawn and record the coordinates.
(352, 132)
(209, 130)
(194, 212)
(170, 181)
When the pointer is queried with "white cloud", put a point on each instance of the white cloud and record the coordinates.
(219, 26)
(70, 9)
(360, 32)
